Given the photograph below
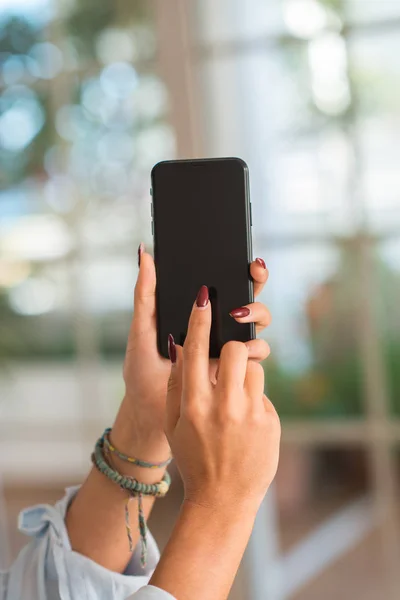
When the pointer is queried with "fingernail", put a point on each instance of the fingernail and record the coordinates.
(140, 252)
(237, 313)
(261, 263)
(171, 348)
(202, 297)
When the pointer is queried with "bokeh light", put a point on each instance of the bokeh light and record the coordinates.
(118, 79)
(115, 45)
(47, 60)
(33, 297)
(36, 237)
(328, 63)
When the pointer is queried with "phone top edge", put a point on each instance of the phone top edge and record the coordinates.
(201, 160)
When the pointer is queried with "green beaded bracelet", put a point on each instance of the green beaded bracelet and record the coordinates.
(135, 489)
(124, 481)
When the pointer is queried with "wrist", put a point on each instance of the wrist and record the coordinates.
(134, 433)
(134, 438)
(225, 514)
(152, 452)
(132, 441)
(142, 413)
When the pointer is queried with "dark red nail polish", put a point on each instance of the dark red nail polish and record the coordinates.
(140, 252)
(171, 348)
(261, 263)
(202, 297)
(237, 313)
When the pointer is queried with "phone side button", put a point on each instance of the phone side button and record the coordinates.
(251, 215)
(152, 227)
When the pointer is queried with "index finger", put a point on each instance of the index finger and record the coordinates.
(197, 343)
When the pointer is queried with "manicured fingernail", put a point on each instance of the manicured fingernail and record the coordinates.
(238, 313)
(171, 348)
(261, 263)
(140, 252)
(202, 297)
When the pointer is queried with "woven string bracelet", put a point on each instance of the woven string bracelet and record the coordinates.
(141, 519)
(134, 461)
(134, 489)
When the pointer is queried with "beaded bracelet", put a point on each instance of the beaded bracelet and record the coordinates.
(134, 489)
(125, 481)
(135, 461)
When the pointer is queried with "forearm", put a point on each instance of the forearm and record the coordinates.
(96, 518)
(204, 552)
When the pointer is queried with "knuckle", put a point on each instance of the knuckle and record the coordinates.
(231, 417)
(194, 413)
(192, 347)
(255, 369)
(233, 347)
(235, 418)
(263, 350)
(172, 384)
(267, 349)
(255, 418)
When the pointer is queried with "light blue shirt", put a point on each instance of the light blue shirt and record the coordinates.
(48, 569)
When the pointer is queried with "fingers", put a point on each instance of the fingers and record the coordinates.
(256, 313)
(258, 349)
(174, 394)
(254, 382)
(259, 273)
(196, 347)
(232, 366)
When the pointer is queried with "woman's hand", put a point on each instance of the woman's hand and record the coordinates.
(225, 439)
(146, 373)
(224, 436)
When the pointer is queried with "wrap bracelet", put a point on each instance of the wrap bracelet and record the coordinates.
(135, 489)
(130, 459)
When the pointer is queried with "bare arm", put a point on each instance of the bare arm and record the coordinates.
(96, 518)
(204, 552)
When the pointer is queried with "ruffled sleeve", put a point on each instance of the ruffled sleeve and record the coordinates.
(48, 569)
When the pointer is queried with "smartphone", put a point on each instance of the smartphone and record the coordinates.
(202, 236)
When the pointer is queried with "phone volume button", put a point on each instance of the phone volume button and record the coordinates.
(152, 227)
(251, 215)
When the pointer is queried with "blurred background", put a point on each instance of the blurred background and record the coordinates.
(92, 94)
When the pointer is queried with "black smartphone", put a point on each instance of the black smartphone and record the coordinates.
(202, 236)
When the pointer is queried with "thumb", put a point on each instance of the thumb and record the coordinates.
(174, 394)
(145, 292)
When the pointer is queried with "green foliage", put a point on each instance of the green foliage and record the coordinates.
(332, 390)
(333, 385)
(87, 19)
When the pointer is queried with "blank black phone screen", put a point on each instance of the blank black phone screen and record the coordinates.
(202, 236)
